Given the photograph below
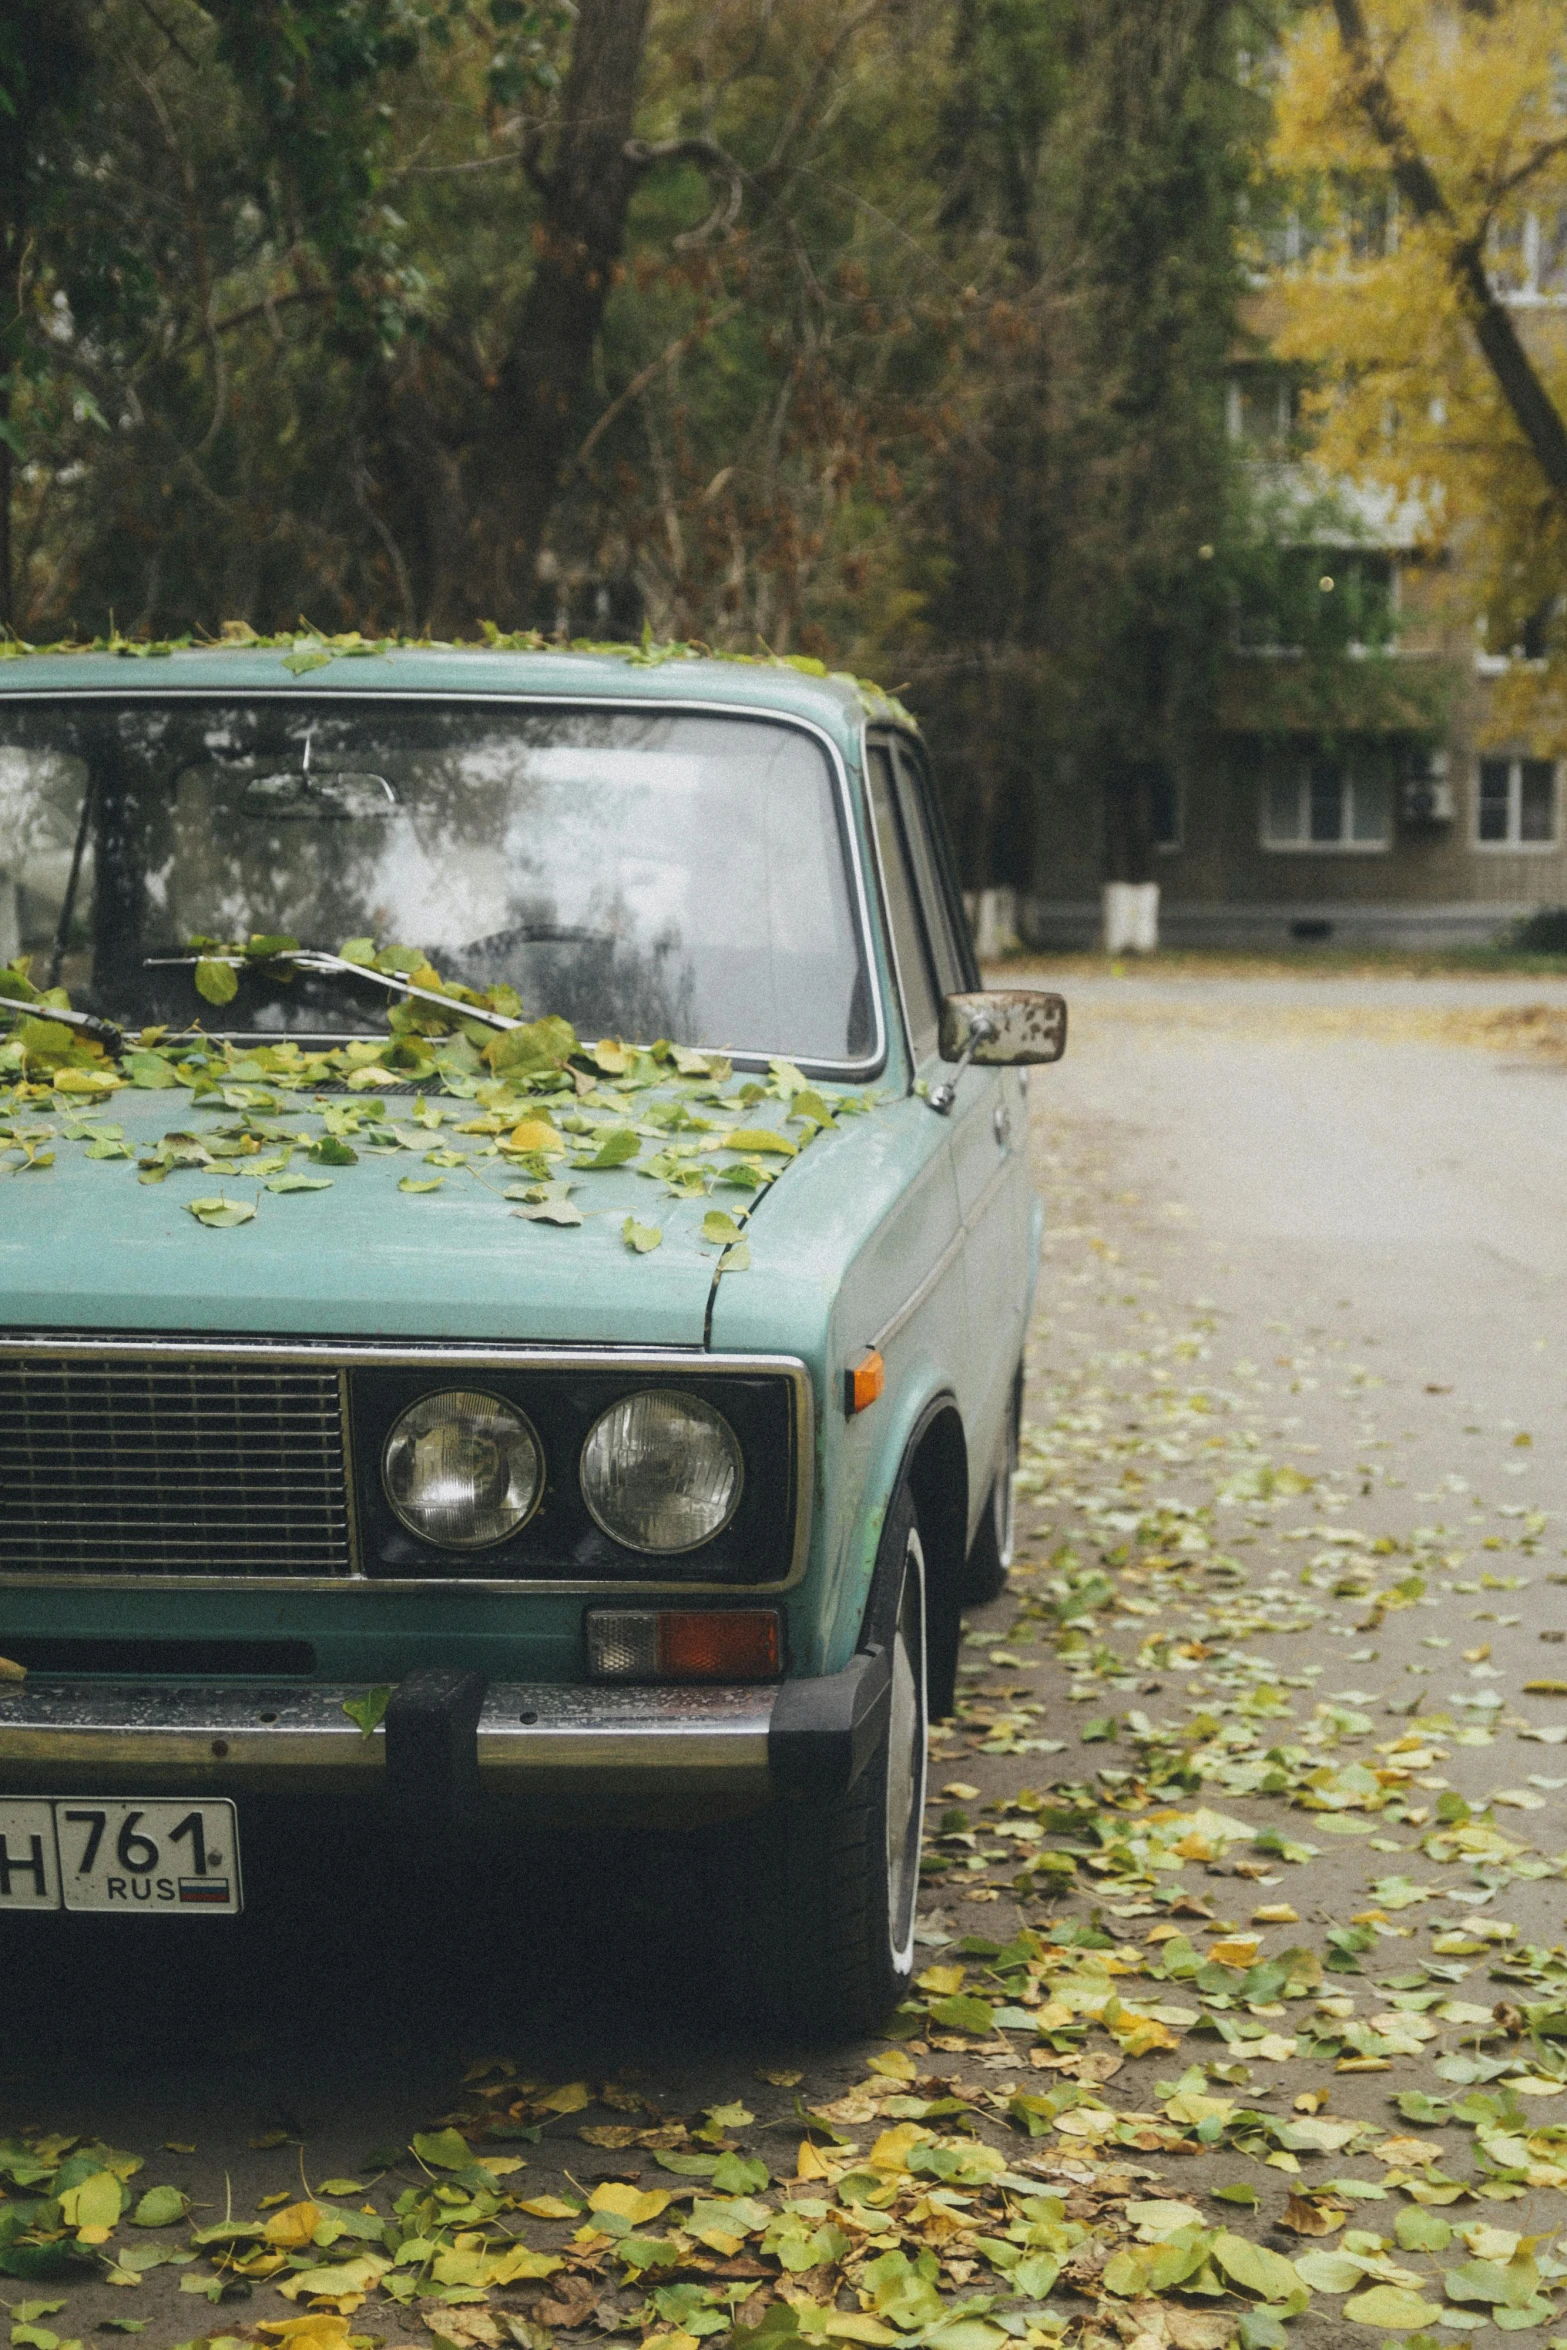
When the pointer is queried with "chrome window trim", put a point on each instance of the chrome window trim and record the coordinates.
(868, 735)
(440, 1358)
(848, 1072)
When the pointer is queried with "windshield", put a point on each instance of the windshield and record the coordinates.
(643, 875)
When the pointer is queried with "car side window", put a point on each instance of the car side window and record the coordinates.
(908, 930)
(950, 962)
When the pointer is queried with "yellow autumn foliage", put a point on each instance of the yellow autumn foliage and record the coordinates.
(1399, 394)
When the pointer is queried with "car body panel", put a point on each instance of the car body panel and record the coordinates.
(898, 1229)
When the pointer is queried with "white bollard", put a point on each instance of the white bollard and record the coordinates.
(1131, 917)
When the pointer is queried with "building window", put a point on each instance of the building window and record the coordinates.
(1328, 804)
(1515, 806)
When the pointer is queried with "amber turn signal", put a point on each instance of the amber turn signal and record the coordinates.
(864, 1383)
(684, 1644)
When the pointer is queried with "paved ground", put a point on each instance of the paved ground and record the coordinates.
(1295, 1482)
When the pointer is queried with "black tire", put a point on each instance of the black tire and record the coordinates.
(823, 1893)
(984, 1574)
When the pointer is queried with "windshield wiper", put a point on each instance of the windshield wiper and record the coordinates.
(102, 1032)
(328, 966)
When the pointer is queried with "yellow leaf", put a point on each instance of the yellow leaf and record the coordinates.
(812, 2164)
(571, 2099)
(534, 1134)
(335, 2284)
(760, 1138)
(894, 2064)
(291, 2230)
(633, 2203)
(321, 2330)
(96, 2204)
(548, 2207)
(892, 2149)
(1239, 1952)
(944, 1980)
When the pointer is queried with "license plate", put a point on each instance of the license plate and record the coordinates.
(128, 1857)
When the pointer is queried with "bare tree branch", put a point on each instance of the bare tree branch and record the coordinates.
(1534, 412)
(722, 171)
(655, 367)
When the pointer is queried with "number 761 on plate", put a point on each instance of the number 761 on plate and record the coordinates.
(125, 1856)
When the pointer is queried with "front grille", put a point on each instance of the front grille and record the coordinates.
(146, 1467)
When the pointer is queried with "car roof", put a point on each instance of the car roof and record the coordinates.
(835, 702)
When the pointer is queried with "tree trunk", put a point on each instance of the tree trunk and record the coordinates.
(579, 241)
(1534, 411)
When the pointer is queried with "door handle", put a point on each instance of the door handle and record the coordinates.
(1002, 1122)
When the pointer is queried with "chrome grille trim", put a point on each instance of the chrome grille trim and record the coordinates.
(136, 1465)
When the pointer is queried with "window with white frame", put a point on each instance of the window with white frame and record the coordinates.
(1328, 804)
(1515, 804)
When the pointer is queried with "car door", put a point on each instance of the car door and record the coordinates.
(988, 1131)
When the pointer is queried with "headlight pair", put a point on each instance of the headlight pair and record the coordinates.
(661, 1470)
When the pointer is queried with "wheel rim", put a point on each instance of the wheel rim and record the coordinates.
(906, 1757)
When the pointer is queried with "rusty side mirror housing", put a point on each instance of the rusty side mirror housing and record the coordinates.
(1004, 1027)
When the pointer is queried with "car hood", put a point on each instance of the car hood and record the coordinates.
(85, 1246)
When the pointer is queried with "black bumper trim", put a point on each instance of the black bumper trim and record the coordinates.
(825, 1730)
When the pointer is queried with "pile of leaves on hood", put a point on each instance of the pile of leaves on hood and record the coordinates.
(525, 1112)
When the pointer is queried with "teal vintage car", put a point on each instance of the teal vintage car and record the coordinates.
(515, 1249)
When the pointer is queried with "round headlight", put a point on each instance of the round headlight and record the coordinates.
(662, 1471)
(462, 1469)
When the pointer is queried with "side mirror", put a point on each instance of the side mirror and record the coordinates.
(1016, 1027)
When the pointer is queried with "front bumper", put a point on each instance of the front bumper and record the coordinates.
(681, 1755)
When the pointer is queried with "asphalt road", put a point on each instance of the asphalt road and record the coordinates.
(1293, 1227)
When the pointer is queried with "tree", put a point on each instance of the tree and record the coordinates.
(43, 68)
(1080, 610)
(1422, 155)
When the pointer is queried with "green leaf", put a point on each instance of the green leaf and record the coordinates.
(1419, 2230)
(739, 2174)
(299, 1183)
(220, 1213)
(160, 2207)
(1253, 2267)
(26, 2313)
(1329, 2272)
(1390, 2306)
(1240, 2193)
(443, 2149)
(640, 1237)
(720, 1227)
(299, 664)
(618, 1146)
(216, 983)
(357, 950)
(368, 1711)
(150, 1071)
(736, 1258)
(963, 2013)
(332, 1151)
(550, 1211)
(420, 1182)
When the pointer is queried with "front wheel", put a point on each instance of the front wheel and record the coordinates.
(823, 1892)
